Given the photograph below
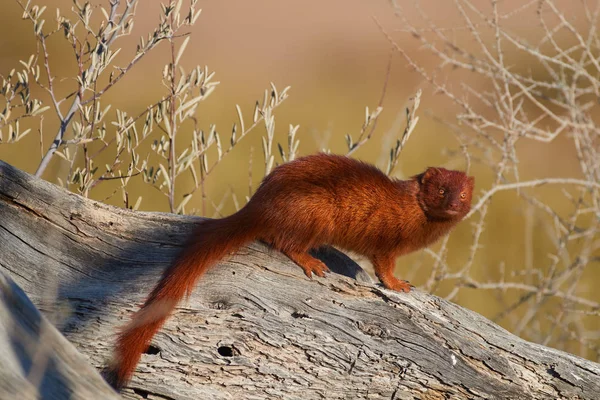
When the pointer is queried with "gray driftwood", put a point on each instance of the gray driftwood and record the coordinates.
(254, 328)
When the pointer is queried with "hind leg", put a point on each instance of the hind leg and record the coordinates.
(308, 263)
(296, 246)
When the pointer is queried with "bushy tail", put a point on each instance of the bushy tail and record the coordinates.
(212, 240)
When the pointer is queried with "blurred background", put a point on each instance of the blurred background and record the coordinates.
(338, 60)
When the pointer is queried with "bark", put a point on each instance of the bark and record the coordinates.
(254, 328)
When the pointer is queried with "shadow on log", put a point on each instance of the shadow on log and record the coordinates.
(255, 327)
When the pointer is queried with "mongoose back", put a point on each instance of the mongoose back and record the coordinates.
(304, 204)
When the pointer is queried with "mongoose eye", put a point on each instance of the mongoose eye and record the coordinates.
(441, 192)
(463, 195)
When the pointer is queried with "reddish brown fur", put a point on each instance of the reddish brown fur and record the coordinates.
(313, 201)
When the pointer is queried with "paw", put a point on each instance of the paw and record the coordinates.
(315, 266)
(399, 286)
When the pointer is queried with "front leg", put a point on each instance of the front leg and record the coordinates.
(384, 269)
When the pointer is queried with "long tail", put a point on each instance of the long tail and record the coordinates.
(212, 240)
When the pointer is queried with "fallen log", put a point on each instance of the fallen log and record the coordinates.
(255, 326)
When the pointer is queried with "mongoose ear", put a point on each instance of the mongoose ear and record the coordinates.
(471, 181)
(429, 173)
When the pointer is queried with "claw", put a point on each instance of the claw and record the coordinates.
(314, 266)
(401, 286)
(309, 264)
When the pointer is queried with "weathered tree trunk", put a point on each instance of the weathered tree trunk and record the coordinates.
(254, 328)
